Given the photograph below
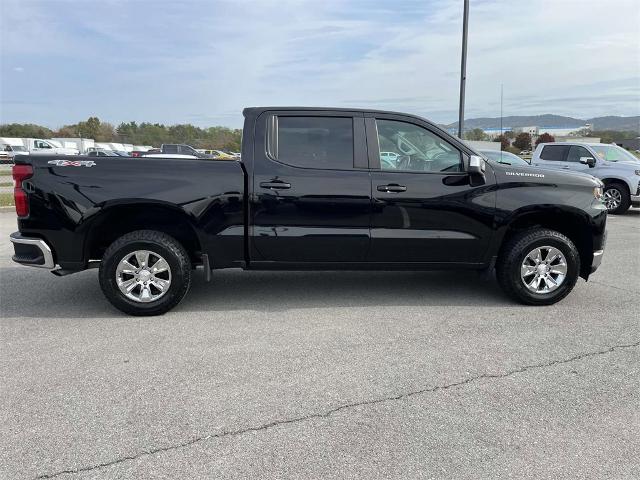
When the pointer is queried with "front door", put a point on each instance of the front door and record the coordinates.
(311, 188)
(424, 209)
(575, 153)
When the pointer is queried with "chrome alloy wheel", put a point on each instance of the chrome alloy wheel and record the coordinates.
(143, 276)
(543, 269)
(612, 198)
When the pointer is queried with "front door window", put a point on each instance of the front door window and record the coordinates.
(408, 147)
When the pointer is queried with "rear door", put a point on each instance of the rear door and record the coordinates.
(553, 156)
(424, 208)
(311, 197)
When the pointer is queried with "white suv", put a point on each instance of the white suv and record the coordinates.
(618, 169)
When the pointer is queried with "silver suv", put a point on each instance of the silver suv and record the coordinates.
(618, 169)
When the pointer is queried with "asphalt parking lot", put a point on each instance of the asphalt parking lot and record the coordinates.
(323, 375)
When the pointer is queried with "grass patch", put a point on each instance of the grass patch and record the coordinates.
(6, 199)
(5, 184)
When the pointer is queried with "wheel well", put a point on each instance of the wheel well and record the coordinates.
(609, 181)
(570, 225)
(118, 221)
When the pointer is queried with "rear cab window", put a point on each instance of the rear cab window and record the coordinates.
(554, 153)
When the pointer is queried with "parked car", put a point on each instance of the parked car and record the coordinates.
(618, 169)
(10, 147)
(219, 154)
(101, 152)
(168, 155)
(38, 146)
(310, 193)
(182, 149)
(505, 158)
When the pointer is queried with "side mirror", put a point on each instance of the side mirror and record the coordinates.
(588, 161)
(476, 169)
(476, 165)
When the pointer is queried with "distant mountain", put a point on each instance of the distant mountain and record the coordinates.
(549, 120)
(616, 123)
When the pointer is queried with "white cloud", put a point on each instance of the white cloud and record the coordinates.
(204, 61)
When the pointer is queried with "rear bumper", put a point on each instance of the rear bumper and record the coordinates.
(635, 200)
(33, 252)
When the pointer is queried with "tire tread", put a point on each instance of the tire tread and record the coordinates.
(511, 252)
(151, 236)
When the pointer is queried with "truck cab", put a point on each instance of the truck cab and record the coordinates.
(38, 146)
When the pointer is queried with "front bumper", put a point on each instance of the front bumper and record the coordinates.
(33, 252)
(597, 260)
(635, 200)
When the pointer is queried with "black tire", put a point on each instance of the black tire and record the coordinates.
(158, 243)
(625, 198)
(513, 255)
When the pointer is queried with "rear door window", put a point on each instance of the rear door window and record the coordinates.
(554, 153)
(314, 142)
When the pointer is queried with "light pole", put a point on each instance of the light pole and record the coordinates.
(463, 67)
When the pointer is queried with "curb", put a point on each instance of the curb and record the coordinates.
(9, 208)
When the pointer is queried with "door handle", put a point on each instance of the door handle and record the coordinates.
(392, 188)
(275, 185)
(566, 167)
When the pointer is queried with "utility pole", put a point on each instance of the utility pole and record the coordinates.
(501, 97)
(463, 67)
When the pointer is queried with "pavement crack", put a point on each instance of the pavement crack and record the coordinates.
(346, 406)
(613, 286)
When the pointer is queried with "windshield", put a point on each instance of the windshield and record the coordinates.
(504, 158)
(614, 153)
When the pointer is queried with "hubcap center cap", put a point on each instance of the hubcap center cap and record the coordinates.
(144, 275)
(542, 269)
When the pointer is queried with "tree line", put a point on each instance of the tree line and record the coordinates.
(145, 133)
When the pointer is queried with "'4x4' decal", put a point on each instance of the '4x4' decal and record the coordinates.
(72, 163)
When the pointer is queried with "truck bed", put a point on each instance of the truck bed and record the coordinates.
(70, 195)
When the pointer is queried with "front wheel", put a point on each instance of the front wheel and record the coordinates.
(145, 273)
(538, 267)
(616, 198)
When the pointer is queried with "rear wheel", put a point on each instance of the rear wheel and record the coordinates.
(616, 198)
(538, 267)
(145, 273)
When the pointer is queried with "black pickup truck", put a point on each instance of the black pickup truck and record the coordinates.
(316, 189)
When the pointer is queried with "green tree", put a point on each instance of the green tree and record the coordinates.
(28, 130)
(90, 128)
(477, 134)
(522, 141)
(545, 138)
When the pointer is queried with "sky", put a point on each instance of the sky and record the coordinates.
(202, 61)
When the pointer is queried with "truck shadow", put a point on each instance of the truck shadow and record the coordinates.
(34, 293)
(278, 291)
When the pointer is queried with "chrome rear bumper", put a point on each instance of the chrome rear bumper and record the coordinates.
(33, 252)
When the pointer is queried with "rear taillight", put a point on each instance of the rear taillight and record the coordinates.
(21, 173)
